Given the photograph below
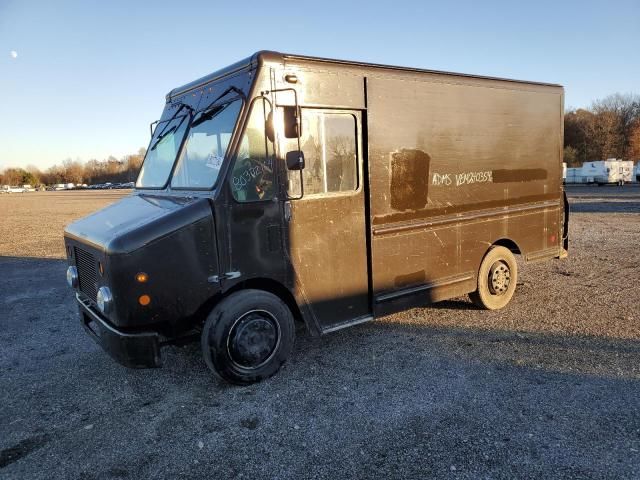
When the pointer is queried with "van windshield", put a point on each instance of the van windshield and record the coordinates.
(162, 152)
(204, 150)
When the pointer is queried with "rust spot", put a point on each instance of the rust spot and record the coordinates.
(519, 175)
(409, 179)
(410, 279)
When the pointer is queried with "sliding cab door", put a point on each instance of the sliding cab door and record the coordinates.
(327, 230)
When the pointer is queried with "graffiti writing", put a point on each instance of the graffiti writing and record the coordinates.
(441, 179)
(473, 177)
(252, 172)
(459, 179)
(249, 174)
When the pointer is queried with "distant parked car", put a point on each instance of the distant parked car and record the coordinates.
(10, 189)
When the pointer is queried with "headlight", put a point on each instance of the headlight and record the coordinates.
(72, 277)
(104, 300)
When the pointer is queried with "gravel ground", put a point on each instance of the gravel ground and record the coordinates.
(547, 388)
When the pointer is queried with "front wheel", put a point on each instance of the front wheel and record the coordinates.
(497, 279)
(248, 336)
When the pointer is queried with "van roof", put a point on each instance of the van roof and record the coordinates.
(267, 55)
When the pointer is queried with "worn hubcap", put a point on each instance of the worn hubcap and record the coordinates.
(253, 339)
(499, 278)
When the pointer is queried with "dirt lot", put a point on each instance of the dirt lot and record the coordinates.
(547, 388)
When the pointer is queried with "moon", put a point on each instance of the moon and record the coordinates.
(13, 54)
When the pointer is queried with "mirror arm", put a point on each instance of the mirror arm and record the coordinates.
(264, 115)
(295, 97)
(151, 127)
(301, 186)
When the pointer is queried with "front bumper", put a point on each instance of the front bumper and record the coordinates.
(134, 350)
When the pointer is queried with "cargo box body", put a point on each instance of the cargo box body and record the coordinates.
(453, 164)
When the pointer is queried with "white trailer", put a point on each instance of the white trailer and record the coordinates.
(574, 175)
(626, 171)
(598, 172)
(603, 172)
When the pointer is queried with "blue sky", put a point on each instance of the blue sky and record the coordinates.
(91, 75)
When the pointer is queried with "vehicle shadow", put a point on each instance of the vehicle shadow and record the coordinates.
(454, 304)
(37, 286)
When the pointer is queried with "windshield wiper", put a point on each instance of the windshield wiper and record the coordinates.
(208, 115)
(228, 90)
(162, 134)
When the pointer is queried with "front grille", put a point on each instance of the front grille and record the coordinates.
(87, 273)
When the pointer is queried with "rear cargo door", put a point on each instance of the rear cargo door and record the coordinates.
(327, 230)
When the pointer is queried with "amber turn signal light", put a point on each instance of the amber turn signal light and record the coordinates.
(142, 277)
(144, 300)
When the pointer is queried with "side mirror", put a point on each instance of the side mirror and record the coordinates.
(268, 127)
(295, 160)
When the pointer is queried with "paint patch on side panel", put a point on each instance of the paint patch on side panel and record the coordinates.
(519, 175)
(409, 179)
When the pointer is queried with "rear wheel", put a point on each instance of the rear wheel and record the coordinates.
(497, 279)
(248, 336)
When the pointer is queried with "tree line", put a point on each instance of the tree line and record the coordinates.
(610, 128)
(77, 172)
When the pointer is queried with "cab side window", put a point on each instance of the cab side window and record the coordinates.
(253, 175)
(329, 143)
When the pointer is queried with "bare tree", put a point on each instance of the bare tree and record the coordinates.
(606, 130)
(634, 141)
(626, 109)
(73, 171)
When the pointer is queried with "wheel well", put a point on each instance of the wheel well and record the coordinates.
(270, 286)
(508, 243)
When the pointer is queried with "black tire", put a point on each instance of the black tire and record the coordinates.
(248, 336)
(497, 278)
